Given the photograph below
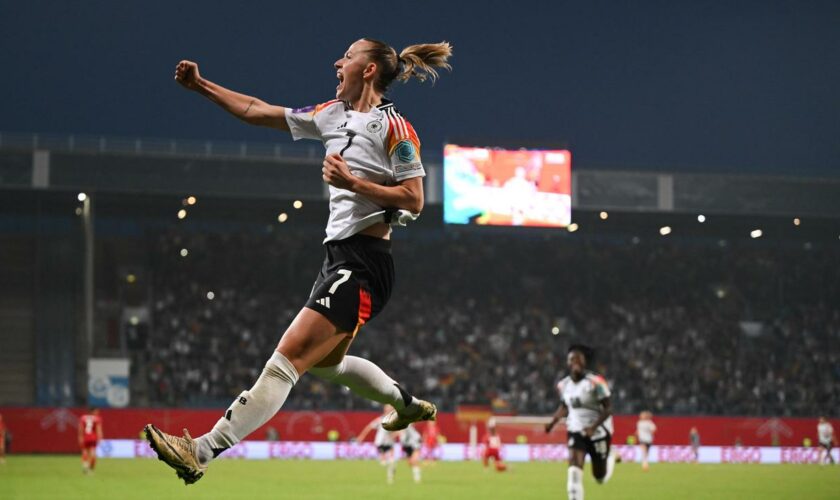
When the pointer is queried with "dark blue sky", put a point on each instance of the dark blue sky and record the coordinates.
(740, 86)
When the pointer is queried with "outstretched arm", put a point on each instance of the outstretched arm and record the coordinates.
(246, 108)
(369, 427)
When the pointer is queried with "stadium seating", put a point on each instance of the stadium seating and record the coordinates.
(683, 327)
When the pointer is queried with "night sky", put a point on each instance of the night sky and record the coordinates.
(743, 86)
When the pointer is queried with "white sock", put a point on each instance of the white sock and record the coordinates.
(415, 470)
(367, 380)
(575, 483)
(251, 409)
(392, 466)
(610, 469)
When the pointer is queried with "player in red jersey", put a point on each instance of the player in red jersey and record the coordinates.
(2, 441)
(90, 433)
(493, 447)
(431, 436)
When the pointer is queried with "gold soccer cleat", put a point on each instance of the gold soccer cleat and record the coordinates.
(177, 452)
(395, 421)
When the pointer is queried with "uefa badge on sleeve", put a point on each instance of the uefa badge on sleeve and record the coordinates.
(405, 151)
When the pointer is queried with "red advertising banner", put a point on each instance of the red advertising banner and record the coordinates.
(54, 430)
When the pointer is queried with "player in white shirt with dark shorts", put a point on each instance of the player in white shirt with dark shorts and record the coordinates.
(411, 441)
(383, 440)
(374, 172)
(825, 435)
(585, 404)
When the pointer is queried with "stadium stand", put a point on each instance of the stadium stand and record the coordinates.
(681, 327)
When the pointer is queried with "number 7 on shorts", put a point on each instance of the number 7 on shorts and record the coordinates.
(345, 275)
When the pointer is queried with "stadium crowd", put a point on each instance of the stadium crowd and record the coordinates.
(679, 327)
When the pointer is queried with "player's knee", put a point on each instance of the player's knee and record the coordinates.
(278, 367)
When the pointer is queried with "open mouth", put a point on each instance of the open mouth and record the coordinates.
(340, 77)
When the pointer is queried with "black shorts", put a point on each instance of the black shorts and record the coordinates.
(408, 451)
(828, 446)
(382, 448)
(355, 281)
(598, 449)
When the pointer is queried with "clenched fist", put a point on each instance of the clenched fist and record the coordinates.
(336, 172)
(186, 73)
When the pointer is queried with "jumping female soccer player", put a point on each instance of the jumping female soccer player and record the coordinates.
(373, 168)
(585, 401)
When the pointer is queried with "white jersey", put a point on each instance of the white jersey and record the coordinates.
(383, 437)
(583, 399)
(410, 437)
(825, 432)
(379, 146)
(645, 430)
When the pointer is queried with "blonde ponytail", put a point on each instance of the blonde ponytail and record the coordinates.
(419, 61)
(415, 61)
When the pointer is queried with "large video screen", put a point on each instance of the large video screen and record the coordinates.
(497, 187)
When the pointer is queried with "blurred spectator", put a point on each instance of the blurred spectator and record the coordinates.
(680, 327)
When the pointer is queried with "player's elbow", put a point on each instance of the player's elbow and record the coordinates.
(414, 203)
(412, 195)
(410, 202)
(415, 206)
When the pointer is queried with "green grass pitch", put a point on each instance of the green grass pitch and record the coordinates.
(60, 477)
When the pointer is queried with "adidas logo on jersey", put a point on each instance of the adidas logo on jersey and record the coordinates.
(324, 302)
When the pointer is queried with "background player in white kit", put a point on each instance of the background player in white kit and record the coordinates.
(645, 429)
(412, 441)
(409, 439)
(825, 433)
(585, 403)
(382, 439)
(374, 172)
